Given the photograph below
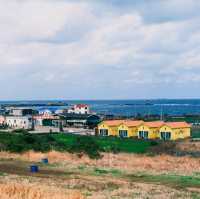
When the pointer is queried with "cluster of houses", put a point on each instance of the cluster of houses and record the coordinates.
(17, 118)
(145, 130)
(78, 115)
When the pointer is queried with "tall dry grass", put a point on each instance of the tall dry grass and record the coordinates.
(124, 161)
(23, 191)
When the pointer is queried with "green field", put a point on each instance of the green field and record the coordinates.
(108, 143)
(20, 142)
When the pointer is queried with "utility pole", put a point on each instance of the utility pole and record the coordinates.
(60, 126)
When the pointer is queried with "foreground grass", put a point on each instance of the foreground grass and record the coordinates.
(173, 180)
(91, 180)
(167, 179)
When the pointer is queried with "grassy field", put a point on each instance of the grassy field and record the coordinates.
(91, 145)
(19, 142)
(110, 143)
(129, 174)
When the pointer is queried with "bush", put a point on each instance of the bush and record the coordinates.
(154, 143)
(23, 131)
(114, 148)
(87, 145)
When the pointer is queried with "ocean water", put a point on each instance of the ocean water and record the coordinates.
(128, 107)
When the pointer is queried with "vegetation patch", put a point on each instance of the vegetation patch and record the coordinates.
(171, 180)
(22, 141)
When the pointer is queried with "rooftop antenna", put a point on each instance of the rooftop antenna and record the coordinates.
(161, 114)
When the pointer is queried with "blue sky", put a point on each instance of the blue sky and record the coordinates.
(70, 49)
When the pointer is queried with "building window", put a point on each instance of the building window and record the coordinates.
(123, 133)
(143, 134)
(103, 132)
(165, 135)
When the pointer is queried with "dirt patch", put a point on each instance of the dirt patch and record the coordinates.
(23, 169)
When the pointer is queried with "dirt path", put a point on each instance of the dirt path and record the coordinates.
(23, 169)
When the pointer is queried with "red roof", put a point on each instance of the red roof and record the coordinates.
(45, 117)
(81, 105)
(178, 124)
(133, 123)
(155, 124)
(113, 122)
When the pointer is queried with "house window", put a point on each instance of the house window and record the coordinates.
(143, 134)
(165, 135)
(103, 132)
(123, 133)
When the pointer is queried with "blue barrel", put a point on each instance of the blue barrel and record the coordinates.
(34, 168)
(45, 160)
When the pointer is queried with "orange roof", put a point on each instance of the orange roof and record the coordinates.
(132, 123)
(113, 122)
(178, 124)
(155, 124)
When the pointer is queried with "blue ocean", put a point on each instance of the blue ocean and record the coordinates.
(126, 107)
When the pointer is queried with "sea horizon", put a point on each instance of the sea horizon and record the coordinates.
(126, 107)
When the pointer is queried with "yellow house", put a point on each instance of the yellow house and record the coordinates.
(149, 130)
(174, 131)
(109, 127)
(145, 130)
(129, 128)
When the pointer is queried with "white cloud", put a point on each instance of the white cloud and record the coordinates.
(71, 44)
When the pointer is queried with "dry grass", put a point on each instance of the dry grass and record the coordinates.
(98, 187)
(90, 184)
(188, 146)
(24, 191)
(129, 162)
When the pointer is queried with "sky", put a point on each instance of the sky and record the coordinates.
(99, 49)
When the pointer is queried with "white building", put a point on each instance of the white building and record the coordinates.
(80, 109)
(45, 112)
(19, 122)
(20, 111)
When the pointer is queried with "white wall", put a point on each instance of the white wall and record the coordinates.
(17, 122)
(79, 110)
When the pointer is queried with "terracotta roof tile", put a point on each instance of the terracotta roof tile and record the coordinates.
(132, 123)
(155, 124)
(113, 122)
(178, 124)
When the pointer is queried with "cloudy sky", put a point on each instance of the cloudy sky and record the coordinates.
(99, 49)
